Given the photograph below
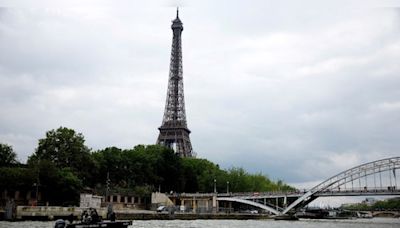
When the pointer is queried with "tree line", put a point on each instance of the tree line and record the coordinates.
(62, 166)
(387, 204)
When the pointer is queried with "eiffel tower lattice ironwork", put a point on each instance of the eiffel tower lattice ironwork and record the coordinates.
(174, 132)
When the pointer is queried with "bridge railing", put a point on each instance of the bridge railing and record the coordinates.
(364, 189)
(235, 194)
(287, 193)
(361, 190)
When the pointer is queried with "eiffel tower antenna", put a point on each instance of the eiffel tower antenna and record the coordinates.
(174, 132)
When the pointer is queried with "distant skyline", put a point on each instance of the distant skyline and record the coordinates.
(296, 90)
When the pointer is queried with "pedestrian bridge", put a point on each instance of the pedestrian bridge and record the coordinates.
(369, 179)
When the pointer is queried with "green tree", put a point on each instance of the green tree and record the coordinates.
(58, 186)
(109, 161)
(7, 155)
(199, 175)
(387, 204)
(151, 166)
(66, 149)
(16, 178)
(239, 180)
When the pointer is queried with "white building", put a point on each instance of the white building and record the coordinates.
(89, 200)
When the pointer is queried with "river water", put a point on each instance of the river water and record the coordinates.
(352, 223)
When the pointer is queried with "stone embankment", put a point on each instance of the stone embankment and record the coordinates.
(191, 216)
(53, 213)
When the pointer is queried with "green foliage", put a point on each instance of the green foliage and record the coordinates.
(16, 178)
(199, 176)
(65, 149)
(141, 166)
(62, 166)
(59, 186)
(68, 187)
(154, 167)
(389, 204)
(242, 181)
(7, 155)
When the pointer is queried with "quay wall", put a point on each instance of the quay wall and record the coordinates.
(191, 216)
(52, 213)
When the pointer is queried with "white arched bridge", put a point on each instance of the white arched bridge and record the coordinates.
(373, 178)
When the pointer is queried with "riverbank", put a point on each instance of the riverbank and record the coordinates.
(191, 216)
(151, 215)
(156, 216)
(43, 213)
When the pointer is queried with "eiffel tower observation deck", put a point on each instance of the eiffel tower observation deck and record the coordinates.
(174, 132)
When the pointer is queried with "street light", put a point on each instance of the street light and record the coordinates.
(36, 185)
(227, 187)
(215, 186)
(107, 187)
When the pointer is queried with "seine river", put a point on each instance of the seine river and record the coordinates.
(353, 223)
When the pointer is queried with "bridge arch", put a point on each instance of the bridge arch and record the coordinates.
(355, 173)
(249, 202)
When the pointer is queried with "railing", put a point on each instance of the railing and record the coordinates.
(233, 194)
(253, 195)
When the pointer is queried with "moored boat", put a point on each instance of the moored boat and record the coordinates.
(90, 219)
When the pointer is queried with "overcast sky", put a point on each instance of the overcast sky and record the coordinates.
(297, 90)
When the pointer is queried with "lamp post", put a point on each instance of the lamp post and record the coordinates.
(215, 186)
(227, 187)
(37, 182)
(36, 185)
(107, 187)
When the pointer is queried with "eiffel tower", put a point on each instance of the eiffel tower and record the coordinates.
(174, 132)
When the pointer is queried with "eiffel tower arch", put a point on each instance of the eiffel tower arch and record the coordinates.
(174, 132)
